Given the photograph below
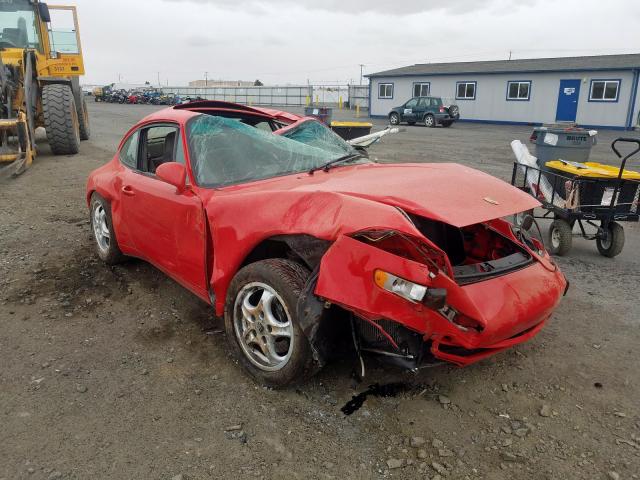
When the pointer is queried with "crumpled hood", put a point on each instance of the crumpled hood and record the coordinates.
(448, 192)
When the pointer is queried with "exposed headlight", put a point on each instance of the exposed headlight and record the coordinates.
(403, 288)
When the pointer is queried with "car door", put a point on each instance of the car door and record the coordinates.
(167, 228)
(408, 110)
(421, 108)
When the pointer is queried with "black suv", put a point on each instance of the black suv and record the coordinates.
(429, 110)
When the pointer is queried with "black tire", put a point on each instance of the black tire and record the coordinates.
(430, 121)
(83, 120)
(287, 279)
(613, 242)
(394, 118)
(447, 124)
(111, 255)
(560, 237)
(61, 119)
(454, 112)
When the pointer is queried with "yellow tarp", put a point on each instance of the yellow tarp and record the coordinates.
(352, 124)
(591, 170)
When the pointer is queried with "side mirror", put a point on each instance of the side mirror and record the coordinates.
(527, 222)
(43, 11)
(174, 174)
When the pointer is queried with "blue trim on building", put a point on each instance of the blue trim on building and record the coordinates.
(522, 124)
(393, 90)
(475, 89)
(509, 82)
(605, 100)
(369, 99)
(509, 72)
(632, 100)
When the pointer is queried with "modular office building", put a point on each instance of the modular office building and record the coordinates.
(595, 91)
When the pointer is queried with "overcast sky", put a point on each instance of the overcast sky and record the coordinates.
(292, 41)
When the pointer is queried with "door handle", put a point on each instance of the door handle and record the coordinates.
(127, 190)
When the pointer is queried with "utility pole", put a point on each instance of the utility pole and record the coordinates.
(159, 84)
(206, 79)
(361, 69)
(509, 54)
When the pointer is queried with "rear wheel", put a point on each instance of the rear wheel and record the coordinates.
(394, 119)
(262, 325)
(83, 120)
(61, 119)
(560, 237)
(612, 241)
(103, 233)
(429, 120)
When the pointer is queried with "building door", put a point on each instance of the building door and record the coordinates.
(568, 100)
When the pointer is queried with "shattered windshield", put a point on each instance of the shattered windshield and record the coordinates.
(225, 151)
(315, 134)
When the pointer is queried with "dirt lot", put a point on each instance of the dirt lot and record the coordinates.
(119, 373)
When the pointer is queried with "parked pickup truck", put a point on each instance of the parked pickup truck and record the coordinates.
(429, 110)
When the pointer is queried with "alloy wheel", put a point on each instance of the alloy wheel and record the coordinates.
(263, 326)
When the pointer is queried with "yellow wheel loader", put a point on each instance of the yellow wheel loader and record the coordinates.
(40, 65)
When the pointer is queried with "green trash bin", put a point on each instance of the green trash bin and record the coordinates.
(324, 114)
(351, 130)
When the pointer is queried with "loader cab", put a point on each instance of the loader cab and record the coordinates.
(52, 31)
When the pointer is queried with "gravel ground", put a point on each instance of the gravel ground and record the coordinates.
(119, 373)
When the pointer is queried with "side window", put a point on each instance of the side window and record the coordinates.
(411, 103)
(159, 146)
(180, 151)
(129, 151)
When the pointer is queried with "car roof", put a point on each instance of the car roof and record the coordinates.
(183, 112)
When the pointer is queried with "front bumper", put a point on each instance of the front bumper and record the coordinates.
(510, 309)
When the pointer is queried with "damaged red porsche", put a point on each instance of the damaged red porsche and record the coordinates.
(294, 235)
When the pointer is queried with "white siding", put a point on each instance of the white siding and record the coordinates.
(491, 93)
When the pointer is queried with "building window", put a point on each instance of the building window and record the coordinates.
(421, 89)
(466, 90)
(385, 90)
(604, 90)
(519, 90)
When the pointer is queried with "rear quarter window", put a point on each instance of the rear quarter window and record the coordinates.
(129, 151)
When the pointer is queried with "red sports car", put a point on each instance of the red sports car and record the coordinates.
(301, 241)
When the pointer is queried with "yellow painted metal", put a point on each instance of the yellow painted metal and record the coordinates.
(19, 159)
(340, 102)
(352, 124)
(49, 64)
(592, 170)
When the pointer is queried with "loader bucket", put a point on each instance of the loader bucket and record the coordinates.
(15, 157)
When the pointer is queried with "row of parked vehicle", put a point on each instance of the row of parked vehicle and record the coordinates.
(150, 96)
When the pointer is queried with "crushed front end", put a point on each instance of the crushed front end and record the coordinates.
(453, 294)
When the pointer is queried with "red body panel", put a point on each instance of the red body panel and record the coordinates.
(176, 232)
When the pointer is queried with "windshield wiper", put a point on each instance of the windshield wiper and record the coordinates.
(335, 161)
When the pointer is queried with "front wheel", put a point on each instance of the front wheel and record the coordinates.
(560, 237)
(261, 322)
(394, 119)
(429, 121)
(61, 119)
(612, 241)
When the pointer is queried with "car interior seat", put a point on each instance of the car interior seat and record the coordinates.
(168, 153)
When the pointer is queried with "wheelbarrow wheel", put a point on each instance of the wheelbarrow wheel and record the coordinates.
(560, 237)
(612, 242)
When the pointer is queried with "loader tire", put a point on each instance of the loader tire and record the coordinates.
(83, 120)
(61, 119)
